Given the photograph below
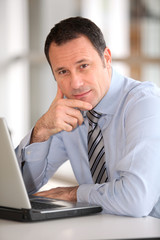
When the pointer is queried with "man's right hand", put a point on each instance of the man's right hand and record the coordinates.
(63, 114)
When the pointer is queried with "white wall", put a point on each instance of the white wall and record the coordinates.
(14, 84)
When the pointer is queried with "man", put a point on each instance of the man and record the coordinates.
(127, 142)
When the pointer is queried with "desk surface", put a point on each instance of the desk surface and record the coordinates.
(88, 227)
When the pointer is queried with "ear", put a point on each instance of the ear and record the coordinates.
(107, 57)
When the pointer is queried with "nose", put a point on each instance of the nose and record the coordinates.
(76, 81)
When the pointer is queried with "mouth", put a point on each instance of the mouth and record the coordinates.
(81, 95)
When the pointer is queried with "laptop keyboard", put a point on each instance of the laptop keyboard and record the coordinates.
(40, 205)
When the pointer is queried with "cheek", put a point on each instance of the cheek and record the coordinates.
(100, 86)
(61, 84)
(95, 83)
(64, 87)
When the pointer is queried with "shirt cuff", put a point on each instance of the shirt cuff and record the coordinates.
(36, 151)
(83, 192)
(32, 152)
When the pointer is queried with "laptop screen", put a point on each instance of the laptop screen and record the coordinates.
(13, 193)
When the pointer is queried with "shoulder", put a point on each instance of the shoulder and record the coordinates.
(143, 101)
(138, 97)
(135, 92)
(126, 88)
(144, 89)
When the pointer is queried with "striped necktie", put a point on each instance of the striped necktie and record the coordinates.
(96, 153)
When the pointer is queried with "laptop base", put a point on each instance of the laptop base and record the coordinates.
(31, 215)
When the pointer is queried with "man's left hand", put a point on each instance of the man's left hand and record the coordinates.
(62, 193)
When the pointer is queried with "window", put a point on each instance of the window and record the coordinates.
(27, 87)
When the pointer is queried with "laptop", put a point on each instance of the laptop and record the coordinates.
(15, 204)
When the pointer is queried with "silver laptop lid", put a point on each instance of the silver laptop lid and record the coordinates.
(13, 193)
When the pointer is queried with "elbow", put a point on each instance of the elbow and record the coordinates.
(137, 202)
(139, 210)
(132, 207)
(139, 207)
(125, 199)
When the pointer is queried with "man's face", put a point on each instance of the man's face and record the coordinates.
(79, 71)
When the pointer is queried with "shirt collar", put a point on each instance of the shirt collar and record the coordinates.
(109, 102)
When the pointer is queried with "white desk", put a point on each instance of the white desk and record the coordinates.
(88, 227)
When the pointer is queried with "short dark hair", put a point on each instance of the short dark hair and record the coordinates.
(72, 28)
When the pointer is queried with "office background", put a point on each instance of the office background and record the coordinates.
(27, 87)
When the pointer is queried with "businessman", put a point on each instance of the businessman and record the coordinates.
(106, 124)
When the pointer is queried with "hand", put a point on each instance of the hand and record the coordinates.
(63, 114)
(62, 193)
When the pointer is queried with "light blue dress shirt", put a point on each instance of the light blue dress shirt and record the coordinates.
(130, 126)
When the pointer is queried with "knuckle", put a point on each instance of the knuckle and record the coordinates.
(75, 121)
(58, 122)
(68, 128)
(59, 107)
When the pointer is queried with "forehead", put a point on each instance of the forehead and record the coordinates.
(72, 51)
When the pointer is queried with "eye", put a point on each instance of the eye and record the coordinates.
(84, 66)
(62, 72)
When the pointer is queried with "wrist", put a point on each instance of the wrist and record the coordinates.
(73, 194)
(39, 135)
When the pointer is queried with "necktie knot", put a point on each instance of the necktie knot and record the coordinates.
(93, 117)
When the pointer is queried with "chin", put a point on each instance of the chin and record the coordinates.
(92, 102)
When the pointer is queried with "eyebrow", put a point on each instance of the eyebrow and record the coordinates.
(78, 62)
(59, 69)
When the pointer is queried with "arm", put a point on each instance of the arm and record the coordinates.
(136, 189)
(34, 150)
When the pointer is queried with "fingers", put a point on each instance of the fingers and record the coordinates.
(67, 118)
(74, 103)
(74, 116)
(59, 94)
(65, 113)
